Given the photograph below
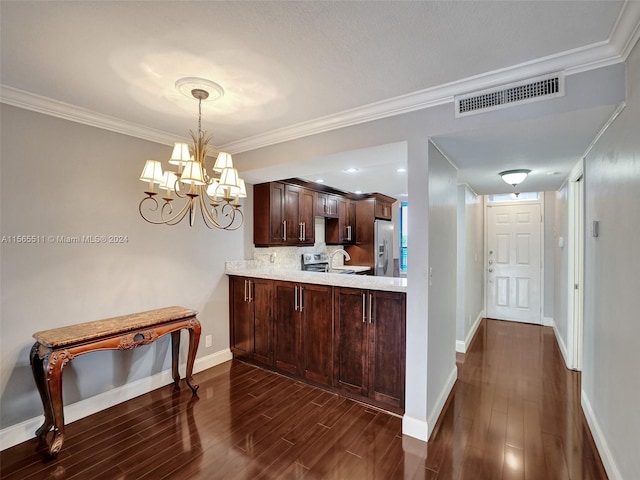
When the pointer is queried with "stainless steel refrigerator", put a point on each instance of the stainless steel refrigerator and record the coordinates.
(383, 248)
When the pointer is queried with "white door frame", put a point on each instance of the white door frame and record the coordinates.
(575, 261)
(486, 242)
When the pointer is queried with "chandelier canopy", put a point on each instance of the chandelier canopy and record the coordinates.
(216, 192)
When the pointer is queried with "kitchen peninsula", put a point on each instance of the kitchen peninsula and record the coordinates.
(344, 333)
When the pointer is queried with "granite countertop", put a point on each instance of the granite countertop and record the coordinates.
(247, 269)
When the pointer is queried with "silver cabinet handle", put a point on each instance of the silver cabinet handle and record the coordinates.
(284, 230)
(364, 308)
(250, 292)
(295, 298)
(349, 232)
(304, 231)
(370, 302)
(245, 290)
(301, 299)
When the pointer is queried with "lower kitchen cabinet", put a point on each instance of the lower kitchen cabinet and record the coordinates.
(369, 345)
(251, 327)
(304, 330)
(352, 341)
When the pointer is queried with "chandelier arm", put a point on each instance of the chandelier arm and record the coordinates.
(210, 220)
(232, 215)
(177, 218)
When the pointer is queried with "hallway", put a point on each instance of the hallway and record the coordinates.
(515, 411)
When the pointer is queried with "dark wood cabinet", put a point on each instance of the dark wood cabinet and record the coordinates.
(327, 205)
(283, 215)
(383, 206)
(348, 340)
(251, 328)
(304, 330)
(369, 345)
(342, 230)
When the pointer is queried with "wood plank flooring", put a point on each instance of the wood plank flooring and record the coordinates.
(514, 414)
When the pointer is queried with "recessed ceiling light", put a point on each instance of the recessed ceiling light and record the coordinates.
(358, 192)
(319, 180)
(401, 170)
(351, 170)
(553, 173)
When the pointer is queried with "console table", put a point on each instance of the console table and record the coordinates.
(57, 347)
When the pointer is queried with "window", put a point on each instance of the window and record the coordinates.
(403, 237)
(511, 197)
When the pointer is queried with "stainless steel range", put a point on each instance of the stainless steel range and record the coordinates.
(315, 262)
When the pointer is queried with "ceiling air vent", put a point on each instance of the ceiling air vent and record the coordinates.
(526, 91)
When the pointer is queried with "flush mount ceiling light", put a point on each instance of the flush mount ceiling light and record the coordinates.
(514, 177)
(217, 191)
(351, 170)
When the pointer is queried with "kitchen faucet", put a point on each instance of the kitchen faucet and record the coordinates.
(343, 252)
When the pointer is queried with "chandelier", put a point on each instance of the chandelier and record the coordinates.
(215, 193)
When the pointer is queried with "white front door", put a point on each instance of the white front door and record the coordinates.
(514, 262)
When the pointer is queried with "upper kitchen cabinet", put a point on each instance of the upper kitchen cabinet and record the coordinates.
(327, 205)
(383, 206)
(342, 230)
(283, 214)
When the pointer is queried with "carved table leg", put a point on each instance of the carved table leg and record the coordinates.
(38, 369)
(175, 354)
(194, 338)
(56, 362)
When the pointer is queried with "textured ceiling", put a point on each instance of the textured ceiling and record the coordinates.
(280, 63)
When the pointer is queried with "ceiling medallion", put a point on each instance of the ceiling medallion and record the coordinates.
(216, 192)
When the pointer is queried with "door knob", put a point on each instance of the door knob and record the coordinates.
(491, 270)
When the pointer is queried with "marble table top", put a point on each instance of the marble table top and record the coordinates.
(88, 331)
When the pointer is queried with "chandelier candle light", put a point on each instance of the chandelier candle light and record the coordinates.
(218, 193)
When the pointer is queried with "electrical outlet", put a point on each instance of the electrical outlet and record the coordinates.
(208, 341)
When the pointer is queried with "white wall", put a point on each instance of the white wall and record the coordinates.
(561, 266)
(610, 378)
(441, 360)
(63, 178)
(470, 271)
(549, 255)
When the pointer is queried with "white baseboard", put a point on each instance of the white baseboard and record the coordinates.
(414, 427)
(561, 344)
(461, 346)
(25, 430)
(598, 437)
(548, 321)
(442, 398)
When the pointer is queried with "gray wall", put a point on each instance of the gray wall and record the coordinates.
(610, 378)
(549, 253)
(63, 178)
(470, 257)
(441, 360)
(561, 266)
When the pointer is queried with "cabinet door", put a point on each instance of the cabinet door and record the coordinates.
(261, 298)
(387, 348)
(332, 206)
(316, 359)
(240, 331)
(277, 214)
(350, 365)
(383, 210)
(307, 217)
(286, 326)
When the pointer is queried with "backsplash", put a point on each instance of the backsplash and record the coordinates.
(289, 258)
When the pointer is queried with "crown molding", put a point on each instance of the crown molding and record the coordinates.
(624, 36)
(578, 60)
(626, 31)
(37, 103)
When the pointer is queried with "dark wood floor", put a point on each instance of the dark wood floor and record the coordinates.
(514, 414)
